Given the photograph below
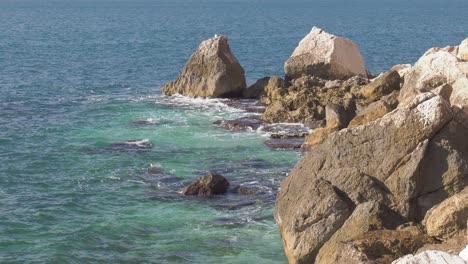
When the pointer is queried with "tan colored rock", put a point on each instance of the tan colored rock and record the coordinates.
(358, 161)
(322, 211)
(431, 71)
(269, 87)
(373, 112)
(453, 245)
(324, 55)
(380, 86)
(459, 95)
(448, 218)
(430, 257)
(366, 217)
(336, 118)
(212, 71)
(380, 247)
(402, 70)
(463, 50)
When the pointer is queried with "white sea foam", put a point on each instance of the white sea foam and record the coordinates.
(203, 103)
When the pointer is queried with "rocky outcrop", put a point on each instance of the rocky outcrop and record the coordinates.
(363, 165)
(209, 185)
(448, 218)
(324, 55)
(435, 68)
(212, 71)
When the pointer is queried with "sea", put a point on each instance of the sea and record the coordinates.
(75, 75)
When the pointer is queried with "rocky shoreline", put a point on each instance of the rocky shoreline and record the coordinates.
(385, 169)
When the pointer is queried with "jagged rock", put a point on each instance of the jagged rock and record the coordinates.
(211, 184)
(448, 218)
(306, 98)
(269, 88)
(317, 214)
(382, 85)
(430, 257)
(380, 247)
(212, 71)
(391, 100)
(380, 161)
(373, 112)
(366, 217)
(463, 50)
(433, 69)
(324, 55)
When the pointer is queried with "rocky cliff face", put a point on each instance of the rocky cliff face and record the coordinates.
(342, 202)
(212, 71)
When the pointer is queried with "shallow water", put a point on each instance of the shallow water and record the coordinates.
(75, 74)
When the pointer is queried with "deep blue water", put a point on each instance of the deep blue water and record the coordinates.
(74, 73)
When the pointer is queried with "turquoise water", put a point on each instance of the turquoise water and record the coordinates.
(73, 74)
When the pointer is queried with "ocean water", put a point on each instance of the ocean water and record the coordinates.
(74, 74)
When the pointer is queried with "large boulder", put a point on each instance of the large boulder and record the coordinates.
(209, 185)
(381, 161)
(459, 95)
(212, 71)
(381, 86)
(435, 68)
(448, 218)
(324, 55)
(317, 214)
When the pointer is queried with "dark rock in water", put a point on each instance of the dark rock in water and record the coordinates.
(136, 144)
(155, 168)
(285, 143)
(243, 123)
(248, 105)
(146, 122)
(245, 190)
(211, 184)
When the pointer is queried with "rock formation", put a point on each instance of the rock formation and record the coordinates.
(342, 201)
(211, 184)
(212, 71)
(324, 55)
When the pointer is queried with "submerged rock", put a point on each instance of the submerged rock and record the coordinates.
(285, 143)
(324, 55)
(243, 123)
(134, 144)
(209, 185)
(212, 71)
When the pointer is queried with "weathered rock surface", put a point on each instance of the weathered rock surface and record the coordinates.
(430, 257)
(435, 68)
(271, 87)
(364, 165)
(212, 71)
(324, 55)
(371, 113)
(448, 218)
(382, 85)
(209, 185)
(285, 143)
(243, 123)
(459, 94)
(379, 247)
(366, 217)
(317, 214)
